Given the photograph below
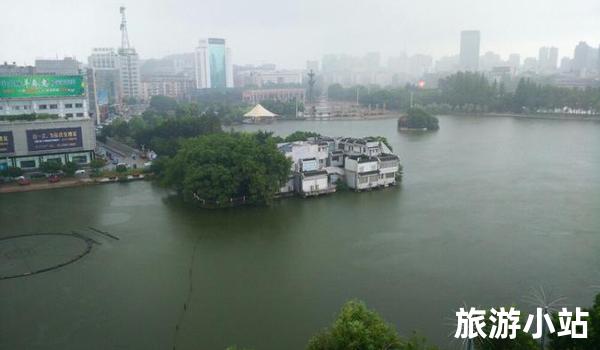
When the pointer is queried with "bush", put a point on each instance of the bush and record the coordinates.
(70, 168)
(51, 167)
(121, 168)
(12, 171)
(97, 163)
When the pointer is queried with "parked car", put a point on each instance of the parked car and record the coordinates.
(53, 178)
(115, 161)
(80, 172)
(23, 181)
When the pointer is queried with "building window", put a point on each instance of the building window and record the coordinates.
(42, 106)
(80, 114)
(68, 105)
(79, 159)
(25, 164)
(53, 106)
(54, 160)
(79, 105)
(16, 108)
(24, 107)
(69, 115)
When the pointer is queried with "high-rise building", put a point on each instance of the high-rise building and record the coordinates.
(469, 50)
(106, 65)
(514, 61)
(548, 59)
(214, 68)
(585, 60)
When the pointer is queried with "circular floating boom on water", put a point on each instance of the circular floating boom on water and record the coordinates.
(30, 254)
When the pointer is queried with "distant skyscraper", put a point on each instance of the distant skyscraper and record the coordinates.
(530, 64)
(585, 60)
(469, 50)
(548, 59)
(214, 68)
(514, 60)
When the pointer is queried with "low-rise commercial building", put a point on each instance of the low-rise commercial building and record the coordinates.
(42, 118)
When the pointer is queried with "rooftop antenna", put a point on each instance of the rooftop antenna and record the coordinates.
(124, 36)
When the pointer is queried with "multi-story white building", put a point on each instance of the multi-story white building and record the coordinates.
(177, 87)
(129, 67)
(317, 165)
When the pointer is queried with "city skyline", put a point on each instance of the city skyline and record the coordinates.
(307, 27)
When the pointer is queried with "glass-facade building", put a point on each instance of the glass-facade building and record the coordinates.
(213, 67)
(217, 61)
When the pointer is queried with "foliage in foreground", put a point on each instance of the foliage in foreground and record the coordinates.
(221, 167)
(593, 340)
(417, 118)
(358, 328)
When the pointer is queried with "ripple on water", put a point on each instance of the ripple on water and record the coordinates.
(135, 199)
(114, 218)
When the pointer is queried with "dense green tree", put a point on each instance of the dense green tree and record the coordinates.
(593, 340)
(301, 136)
(358, 328)
(163, 104)
(468, 92)
(70, 168)
(51, 166)
(221, 167)
(283, 108)
(417, 118)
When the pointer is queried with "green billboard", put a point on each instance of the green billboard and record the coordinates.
(32, 86)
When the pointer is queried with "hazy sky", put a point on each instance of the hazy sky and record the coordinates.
(290, 32)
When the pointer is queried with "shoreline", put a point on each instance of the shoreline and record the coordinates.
(572, 117)
(65, 183)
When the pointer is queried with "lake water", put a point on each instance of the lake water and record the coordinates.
(489, 208)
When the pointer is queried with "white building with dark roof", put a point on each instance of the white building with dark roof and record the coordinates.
(319, 163)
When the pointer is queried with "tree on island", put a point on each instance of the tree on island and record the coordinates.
(358, 328)
(418, 119)
(219, 168)
(301, 136)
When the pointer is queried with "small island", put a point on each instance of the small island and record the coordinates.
(416, 119)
